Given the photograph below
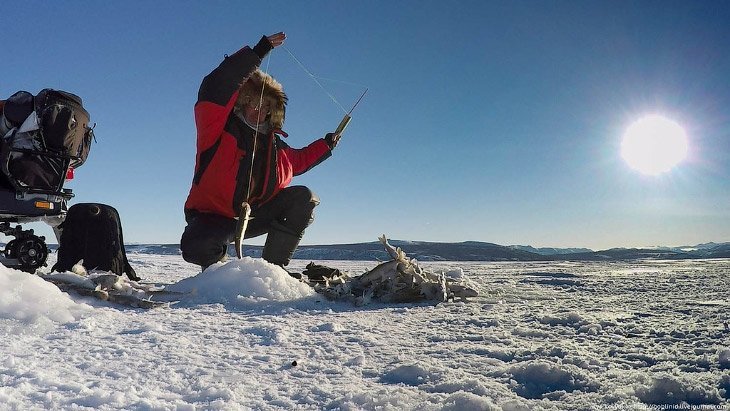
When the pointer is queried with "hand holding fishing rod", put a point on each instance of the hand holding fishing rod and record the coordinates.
(333, 138)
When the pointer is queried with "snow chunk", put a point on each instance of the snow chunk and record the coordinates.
(242, 281)
(669, 389)
(409, 375)
(724, 357)
(467, 401)
(571, 319)
(456, 274)
(398, 398)
(543, 379)
(327, 327)
(34, 303)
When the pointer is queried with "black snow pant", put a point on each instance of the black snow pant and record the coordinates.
(284, 218)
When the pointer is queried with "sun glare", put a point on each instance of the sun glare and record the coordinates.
(654, 144)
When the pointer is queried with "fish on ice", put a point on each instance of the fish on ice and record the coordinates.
(399, 280)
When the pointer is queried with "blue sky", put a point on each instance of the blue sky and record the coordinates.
(487, 121)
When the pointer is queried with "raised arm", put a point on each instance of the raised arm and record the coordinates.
(219, 89)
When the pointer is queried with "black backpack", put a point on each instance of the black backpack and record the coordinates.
(93, 232)
(64, 124)
(39, 158)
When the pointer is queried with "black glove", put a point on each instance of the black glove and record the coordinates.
(332, 139)
(263, 47)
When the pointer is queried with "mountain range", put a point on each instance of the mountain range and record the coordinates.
(470, 251)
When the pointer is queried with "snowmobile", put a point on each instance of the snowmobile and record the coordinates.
(43, 138)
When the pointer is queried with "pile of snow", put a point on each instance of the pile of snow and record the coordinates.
(33, 304)
(243, 281)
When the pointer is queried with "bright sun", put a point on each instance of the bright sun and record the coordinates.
(654, 144)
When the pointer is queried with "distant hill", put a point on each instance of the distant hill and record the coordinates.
(374, 251)
(420, 250)
(550, 250)
(471, 251)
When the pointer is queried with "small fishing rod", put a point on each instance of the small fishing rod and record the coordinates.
(348, 116)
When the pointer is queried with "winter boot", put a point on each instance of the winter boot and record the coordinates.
(280, 245)
(221, 260)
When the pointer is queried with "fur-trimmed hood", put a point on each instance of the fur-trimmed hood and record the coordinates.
(250, 93)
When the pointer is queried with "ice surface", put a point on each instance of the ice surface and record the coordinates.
(552, 336)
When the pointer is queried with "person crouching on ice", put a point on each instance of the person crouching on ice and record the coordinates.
(239, 115)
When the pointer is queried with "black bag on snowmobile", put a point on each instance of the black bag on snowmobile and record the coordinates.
(93, 232)
(50, 134)
(64, 124)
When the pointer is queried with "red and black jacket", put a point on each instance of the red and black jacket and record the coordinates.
(225, 143)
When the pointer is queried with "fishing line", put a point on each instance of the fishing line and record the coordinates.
(256, 129)
(342, 81)
(244, 215)
(315, 78)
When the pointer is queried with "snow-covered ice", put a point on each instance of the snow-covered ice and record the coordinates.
(245, 335)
